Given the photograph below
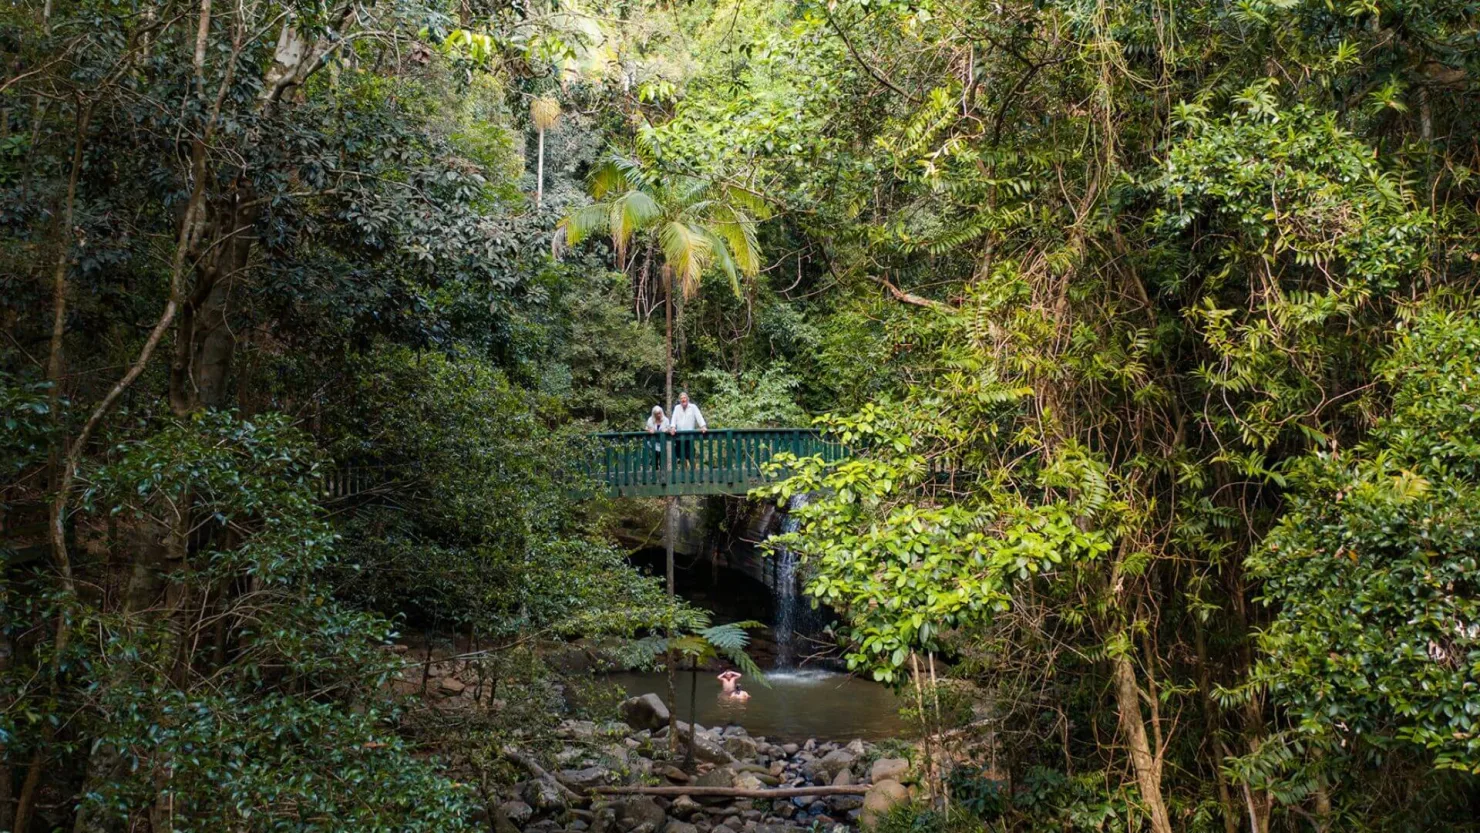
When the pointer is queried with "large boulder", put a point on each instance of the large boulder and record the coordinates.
(889, 769)
(880, 799)
(645, 712)
(828, 766)
(640, 814)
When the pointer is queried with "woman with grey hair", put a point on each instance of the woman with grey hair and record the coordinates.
(657, 426)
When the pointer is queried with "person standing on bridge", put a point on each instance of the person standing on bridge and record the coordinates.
(657, 425)
(686, 417)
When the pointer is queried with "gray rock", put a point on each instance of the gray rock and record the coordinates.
(591, 776)
(720, 776)
(889, 769)
(843, 778)
(517, 811)
(577, 825)
(673, 773)
(881, 798)
(543, 826)
(675, 826)
(578, 729)
(501, 822)
(828, 767)
(740, 746)
(839, 804)
(684, 807)
(856, 747)
(640, 814)
(605, 819)
(451, 686)
(706, 748)
(543, 794)
(790, 749)
(645, 712)
(749, 781)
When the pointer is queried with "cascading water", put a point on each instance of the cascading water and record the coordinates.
(791, 609)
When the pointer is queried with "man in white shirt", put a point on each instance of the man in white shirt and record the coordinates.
(686, 417)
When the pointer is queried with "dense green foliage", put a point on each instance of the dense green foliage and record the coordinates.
(1150, 326)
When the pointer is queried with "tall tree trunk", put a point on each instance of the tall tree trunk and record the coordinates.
(1146, 764)
(668, 340)
(670, 510)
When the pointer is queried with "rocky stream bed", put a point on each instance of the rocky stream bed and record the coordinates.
(634, 752)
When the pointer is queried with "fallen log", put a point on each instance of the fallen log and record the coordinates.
(735, 792)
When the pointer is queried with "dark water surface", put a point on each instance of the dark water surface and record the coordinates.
(798, 705)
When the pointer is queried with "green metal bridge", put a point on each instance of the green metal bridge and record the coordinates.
(725, 461)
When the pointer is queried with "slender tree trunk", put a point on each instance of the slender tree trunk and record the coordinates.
(668, 341)
(688, 758)
(669, 511)
(1133, 731)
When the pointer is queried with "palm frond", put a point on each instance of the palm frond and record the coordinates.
(584, 222)
(723, 258)
(751, 202)
(629, 214)
(687, 252)
(738, 231)
(607, 178)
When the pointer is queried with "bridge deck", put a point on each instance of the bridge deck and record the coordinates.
(725, 461)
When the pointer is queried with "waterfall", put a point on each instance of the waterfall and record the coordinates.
(791, 609)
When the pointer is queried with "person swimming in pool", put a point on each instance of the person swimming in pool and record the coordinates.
(730, 681)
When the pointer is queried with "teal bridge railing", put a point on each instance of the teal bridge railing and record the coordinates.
(727, 461)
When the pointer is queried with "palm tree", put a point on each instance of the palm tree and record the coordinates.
(544, 112)
(692, 224)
